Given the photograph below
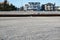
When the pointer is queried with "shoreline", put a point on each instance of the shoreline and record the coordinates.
(28, 15)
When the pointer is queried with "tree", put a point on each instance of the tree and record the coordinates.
(12, 7)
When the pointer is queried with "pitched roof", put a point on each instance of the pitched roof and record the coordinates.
(49, 4)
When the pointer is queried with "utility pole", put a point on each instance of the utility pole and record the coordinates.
(5, 1)
(5, 4)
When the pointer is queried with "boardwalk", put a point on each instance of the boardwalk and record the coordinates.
(29, 28)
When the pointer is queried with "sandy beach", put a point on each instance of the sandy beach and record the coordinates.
(29, 28)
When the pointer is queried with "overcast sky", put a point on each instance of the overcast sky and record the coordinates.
(19, 3)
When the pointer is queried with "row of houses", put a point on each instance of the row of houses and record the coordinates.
(35, 6)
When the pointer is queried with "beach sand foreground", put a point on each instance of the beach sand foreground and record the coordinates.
(29, 28)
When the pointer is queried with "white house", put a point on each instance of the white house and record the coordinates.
(35, 6)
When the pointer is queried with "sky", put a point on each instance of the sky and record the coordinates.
(19, 3)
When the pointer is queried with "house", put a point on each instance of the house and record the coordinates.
(57, 8)
(48, 7)
(35, 6)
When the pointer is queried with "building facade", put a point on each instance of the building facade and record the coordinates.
(35, 6)
(48, 7)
